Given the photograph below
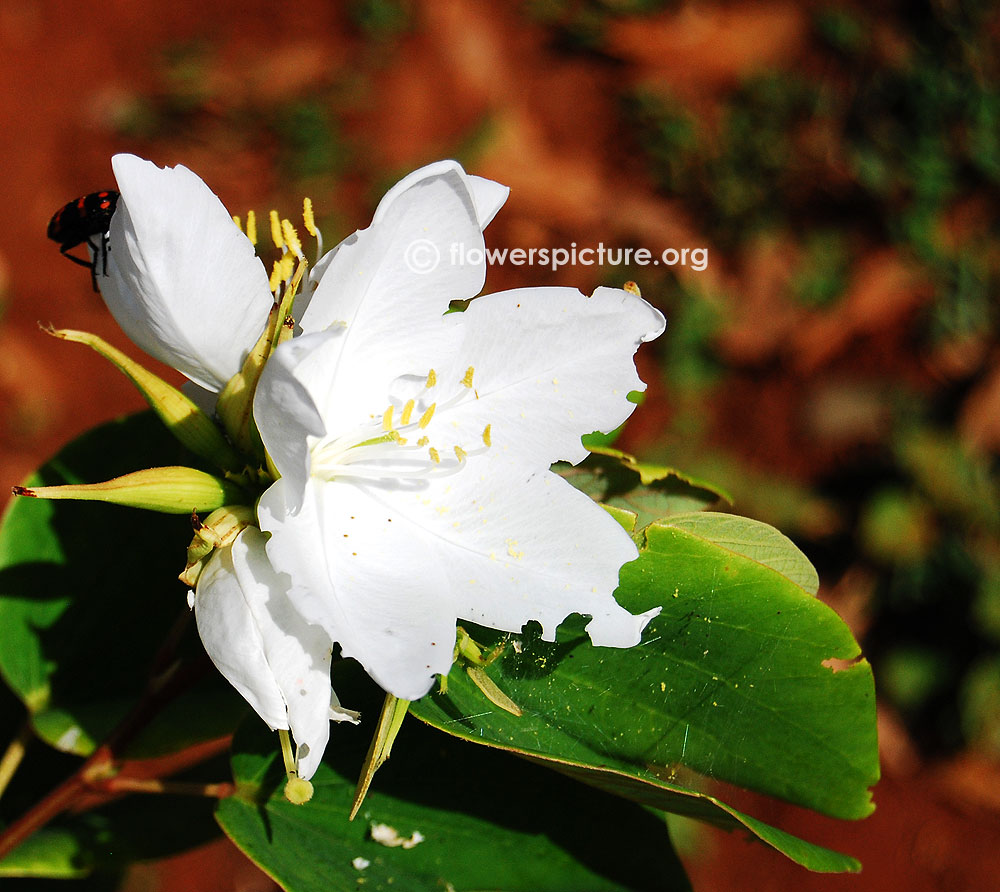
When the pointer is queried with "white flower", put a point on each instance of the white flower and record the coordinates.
(186, 285)
(414, 449)
(260, 643)
(414, 446)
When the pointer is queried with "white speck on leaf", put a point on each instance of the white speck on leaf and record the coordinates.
(389, 837)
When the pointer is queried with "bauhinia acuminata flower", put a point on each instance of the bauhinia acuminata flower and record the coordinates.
(410, 448)
(415, 495)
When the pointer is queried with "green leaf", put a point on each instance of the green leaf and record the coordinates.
(136, 828)
(78, 634)
(51, 852)
(487, 821)
(729, 682)
(646, 492)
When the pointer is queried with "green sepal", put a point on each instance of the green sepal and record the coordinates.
(194, 429)
(171, 490)
(389, 722)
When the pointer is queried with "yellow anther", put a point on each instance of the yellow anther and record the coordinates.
(307, 217)
(401, 440)
(425, 419)
(632, 288)
(467, 379)
(291, 237)
(460, 453)
(432, 378)
(236, 220)
(275, 280)
(435, 456)
(423, 441)
(407, 412)
(486, 435)
(252, 227)
(387, 419)
(279, 242)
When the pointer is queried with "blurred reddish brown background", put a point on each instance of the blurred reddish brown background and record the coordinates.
(609, 122)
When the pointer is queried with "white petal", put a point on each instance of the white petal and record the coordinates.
(390, 284)
(520, 546)
(265, 649)
(297, 652)
(233, 640)
(284, 410)
(489, 197)
(369, 578)
(183, 281)
(549, 366)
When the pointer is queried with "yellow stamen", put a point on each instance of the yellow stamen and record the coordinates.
(486, 435)
(236, 220)
(291, 237)
(425, 419)
(432, 378)
(435, 456)
(307, 217)
(252, 227)
(387, 419)
(423, 441)
(279, 242)
(632, 288)
(467, 380)
(275, 276)
(460, 453)
(407, 412)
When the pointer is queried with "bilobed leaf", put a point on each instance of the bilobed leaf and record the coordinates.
(485, 821)
(88, 593)
(729, 682)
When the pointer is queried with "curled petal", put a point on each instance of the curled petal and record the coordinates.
(183, 282)
(259, 641)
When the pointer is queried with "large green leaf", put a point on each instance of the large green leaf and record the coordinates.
(488, 821)
(88, 592)
(729, 681)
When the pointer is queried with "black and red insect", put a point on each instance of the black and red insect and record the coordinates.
(78, 221)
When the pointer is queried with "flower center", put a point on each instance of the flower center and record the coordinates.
(409, 441)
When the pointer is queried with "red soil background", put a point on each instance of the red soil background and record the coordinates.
(77, 82)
